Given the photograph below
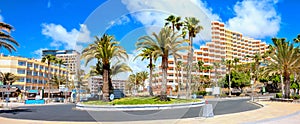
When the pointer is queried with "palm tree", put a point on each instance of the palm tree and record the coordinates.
(7, 78)
(174, 21)
(192, 26)
(285, 60)
(179, 68)
(297, 39)
(48, 59)
(164, 44)
(104, 49)
(59, 62)
(6, 40)
(209, 68)
(229, 65)
(147, 53)
(216, 67)
(144, 76)
(235, 61)
(135, 80)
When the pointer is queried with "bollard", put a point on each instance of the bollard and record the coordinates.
(208, 110)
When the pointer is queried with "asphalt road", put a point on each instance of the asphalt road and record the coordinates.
(68, 113)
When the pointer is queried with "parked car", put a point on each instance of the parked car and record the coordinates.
(58, 99)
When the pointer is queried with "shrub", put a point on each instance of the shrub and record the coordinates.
(278, 95)
(295, 96)
(203, 93)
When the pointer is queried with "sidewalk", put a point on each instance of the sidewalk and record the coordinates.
(273, 112)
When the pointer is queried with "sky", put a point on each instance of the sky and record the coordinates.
(73, 24)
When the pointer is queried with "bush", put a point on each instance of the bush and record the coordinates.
(278, 95)
(295, 96)
(203, 93)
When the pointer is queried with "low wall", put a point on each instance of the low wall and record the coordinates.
(136, 107)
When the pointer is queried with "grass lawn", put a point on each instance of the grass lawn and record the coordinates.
(140, 101)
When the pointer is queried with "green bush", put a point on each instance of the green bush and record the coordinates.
(203, 93)
(278, 95)
(295, 96)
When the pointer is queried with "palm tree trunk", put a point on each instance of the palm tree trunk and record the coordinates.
(282, 85)
(49, 77)
(105, 83)
(229, 82)
(189, 73)
(287, 85)
(163, 93)
(150, 78)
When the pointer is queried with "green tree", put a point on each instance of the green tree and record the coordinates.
(216, 66)
(191, 25)
(147, 53)
(163, 44)
(285, 60)
(174, 22)
(48, 59)
(59, 62)
(104, 49)
(228, 64)
(6, 40)
(179, 66)
(8, 78)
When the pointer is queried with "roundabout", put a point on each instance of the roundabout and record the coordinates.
(68, 112)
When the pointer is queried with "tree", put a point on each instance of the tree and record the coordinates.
(7, 78)
(104, 49)
(48, 59)
(179, 66)
(191, 25)
(163, 44)
(216, 66)
(235, 61)
(144, 76)
(135, 80)
(229, 65)
(285, 60)
(6, 40)
(59, 62)
(174, 21)
(147, 53)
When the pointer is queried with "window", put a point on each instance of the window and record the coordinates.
(21, 63)
(41, 67)
(36, 66)
(28, 80)
(29, 64)
(45, 75)
(21, 79)
(29, 72)
(35, 73)
(46, 69)
(35, 81)
(21, 71)
(40, 81)
(41, 74)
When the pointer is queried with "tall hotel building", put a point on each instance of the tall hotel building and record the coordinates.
(70, 57)
(225, 44)
(31, 73)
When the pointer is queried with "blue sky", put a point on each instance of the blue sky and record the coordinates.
(72, 24)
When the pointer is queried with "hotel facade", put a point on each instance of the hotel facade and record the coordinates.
(31, 73)
(224, 45)
(70, 57)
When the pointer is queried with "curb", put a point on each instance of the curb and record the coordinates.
(137, 107)
(257, 104)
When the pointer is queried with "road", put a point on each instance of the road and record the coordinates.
(67, 112)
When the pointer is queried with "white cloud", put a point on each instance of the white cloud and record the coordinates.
(38, 53)
(153, 13)
(255, 18)
(68, 39)
(120, 21)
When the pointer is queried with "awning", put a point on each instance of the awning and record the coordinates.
(10, 90)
